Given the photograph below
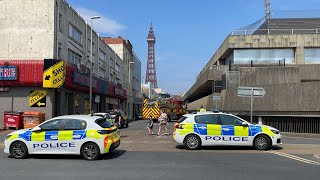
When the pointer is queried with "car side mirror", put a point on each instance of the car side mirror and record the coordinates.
(36, 129)
(244, 124)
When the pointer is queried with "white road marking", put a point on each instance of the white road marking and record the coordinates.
(125, 142)
(317, 156)
(296, 158)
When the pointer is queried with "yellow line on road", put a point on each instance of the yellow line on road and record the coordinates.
(296, 158)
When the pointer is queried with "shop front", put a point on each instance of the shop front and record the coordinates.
(20, 79)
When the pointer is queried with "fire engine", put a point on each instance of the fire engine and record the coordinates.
(174, 107)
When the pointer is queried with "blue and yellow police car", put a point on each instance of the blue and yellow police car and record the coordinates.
(217, 128)
(89, 136)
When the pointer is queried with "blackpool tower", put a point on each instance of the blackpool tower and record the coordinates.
(151, 75)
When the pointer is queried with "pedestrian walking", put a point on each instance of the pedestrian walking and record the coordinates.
(150, 126)
(163, 120)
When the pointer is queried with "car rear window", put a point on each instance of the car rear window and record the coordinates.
(100, 115)
(182, 119)
(103, 123)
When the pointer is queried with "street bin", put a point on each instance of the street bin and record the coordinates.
(32, 119)
(13, 119)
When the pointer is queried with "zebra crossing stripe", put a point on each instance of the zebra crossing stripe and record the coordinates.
(296, 158)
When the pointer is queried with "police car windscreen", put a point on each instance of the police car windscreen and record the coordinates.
(182, 119)
(103, 123)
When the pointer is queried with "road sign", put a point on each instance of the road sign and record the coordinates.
(54, 73)
(251, 92)
(217, 98)
(247, 91)
(37, 98)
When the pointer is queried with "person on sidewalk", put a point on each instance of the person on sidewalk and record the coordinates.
(202, 109)
(150, 126)
(163, 120)
(119, 118)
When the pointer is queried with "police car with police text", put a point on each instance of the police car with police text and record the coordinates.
(89, 136)
(209, 129)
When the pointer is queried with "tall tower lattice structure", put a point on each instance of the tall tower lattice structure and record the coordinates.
(267, 9)
(151, 75)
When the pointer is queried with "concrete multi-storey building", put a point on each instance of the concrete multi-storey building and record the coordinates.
(131, 63)
(34, 30)
(283, 57)
(136, 86)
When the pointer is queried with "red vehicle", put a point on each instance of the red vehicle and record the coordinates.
(174, 107)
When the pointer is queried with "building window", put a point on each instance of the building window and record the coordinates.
(75, 34)
(89, 47)
(102, 73)
(59, 50)
(111, 77)
(263, 56)
(117, 67)
(60, 22)
(102, 55)
(73, 58)
(312, 55)
(111, 61)
(117, 80)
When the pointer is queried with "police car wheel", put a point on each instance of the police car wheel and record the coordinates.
(90, 151)
(192, 142)
(262, 142)
(18, 150)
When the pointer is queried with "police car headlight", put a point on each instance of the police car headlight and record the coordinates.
(8, 136)
(275, 131)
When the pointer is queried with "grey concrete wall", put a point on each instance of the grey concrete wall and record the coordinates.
(281, 99)
(261, 76)
(18, 98)
(26, 29)
(288, 98)
(207, 102)
(309, 72)
(289, 90)
(296, 41)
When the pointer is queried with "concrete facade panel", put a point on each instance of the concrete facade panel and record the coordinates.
(278, 98)
(259, 76)
(28, 34)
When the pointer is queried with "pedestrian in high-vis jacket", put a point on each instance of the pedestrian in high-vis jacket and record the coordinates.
(202, 109)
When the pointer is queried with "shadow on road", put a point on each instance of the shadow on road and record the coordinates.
(113, 155)
(276, 148)
(229, 148)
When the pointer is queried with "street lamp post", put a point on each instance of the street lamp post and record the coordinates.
(130, 93)
(90, 100)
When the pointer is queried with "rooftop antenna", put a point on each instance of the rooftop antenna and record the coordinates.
(267, 4)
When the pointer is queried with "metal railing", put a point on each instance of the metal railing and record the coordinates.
(274, 31)
(294, 124)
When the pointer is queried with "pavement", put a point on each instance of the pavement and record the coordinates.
(158, 157)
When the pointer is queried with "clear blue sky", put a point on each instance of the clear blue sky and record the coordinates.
(188, 32)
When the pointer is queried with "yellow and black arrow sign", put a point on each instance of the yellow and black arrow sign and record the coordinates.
(37, 98)
(54, 73)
